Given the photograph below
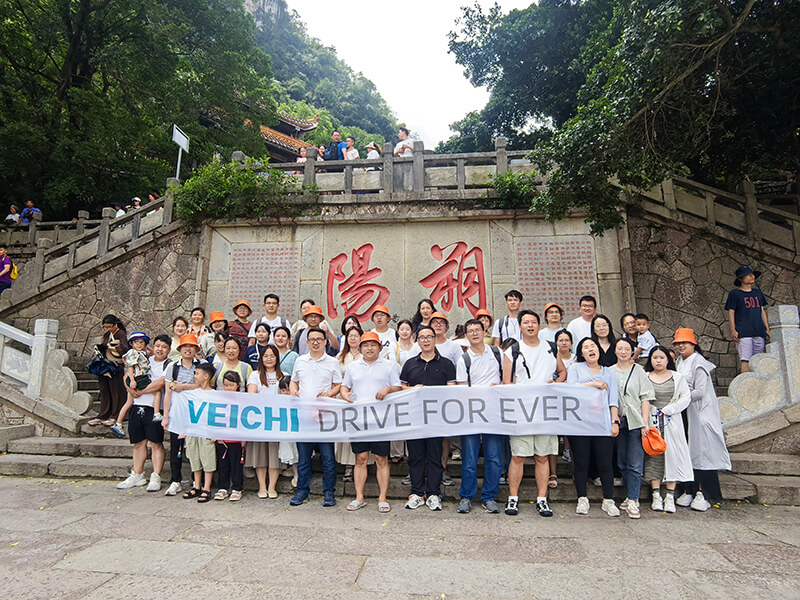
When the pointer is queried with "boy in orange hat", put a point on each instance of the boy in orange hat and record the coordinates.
(387, 335)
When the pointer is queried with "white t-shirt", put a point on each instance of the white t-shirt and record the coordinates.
(364, 379)
(407, 151)
(483, 369)
(447, 349)
(373, 154)
(119, 213)
(548, 335)
(276, 322)
(156, 371)
(508, 327)
(272, 381)
(646, 342)
(540, 361)
(388, 341)
(351, 154)
(316, 376)
(579, 328)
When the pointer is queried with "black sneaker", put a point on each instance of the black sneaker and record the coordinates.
(544, 508)
(512, 507)
(406, 480)
(503, 480)
(446, 479)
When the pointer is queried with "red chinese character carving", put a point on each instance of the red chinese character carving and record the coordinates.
(455, 279)
(355, 291)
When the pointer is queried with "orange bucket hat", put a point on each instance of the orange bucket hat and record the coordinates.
(370, 336)
(313, 310)
(189, 339)
(653, 443)
(215, 316)
(684, 334)
(381, 308)
(243, 303)
(439, 315)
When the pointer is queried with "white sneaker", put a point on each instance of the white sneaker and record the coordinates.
(624, 504)
(583, 506)
(434, 503)
(155, 482)
(596, 482)
(174, 489)
(684, 500)
(700, 503)
(633, 509)
(610, 508)
(669, 503)
(657, 503)
(414, 502)
(133, 480)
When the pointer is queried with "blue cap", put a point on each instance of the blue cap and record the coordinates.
(139, 335)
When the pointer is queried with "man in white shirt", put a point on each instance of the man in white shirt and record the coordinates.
(451, 350)
(314, 318)
(315, 375)
(387, 335)
(581, 327)
(533, 362)
(369, 378)
(479, 365)
(404, 147)
(507, 327)
(271, 318)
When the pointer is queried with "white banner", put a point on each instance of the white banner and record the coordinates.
(441, 411)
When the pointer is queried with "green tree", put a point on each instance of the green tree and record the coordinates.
(663, 87)
(89, 90)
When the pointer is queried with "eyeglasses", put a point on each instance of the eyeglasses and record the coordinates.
(425, 338)
(315, 340)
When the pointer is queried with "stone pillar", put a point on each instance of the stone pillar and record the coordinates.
(310, 169)
(83, 216)
(105, 229)
(750, 210)
(39, 262)
(419, 166)
(388, 168)
(785, 335)
(502, 157)
(44, 339)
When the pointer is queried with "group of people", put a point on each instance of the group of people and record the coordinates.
(645, 384)
(340, 149)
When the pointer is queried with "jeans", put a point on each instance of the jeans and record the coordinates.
(425, 466)
(175, 463)
(630, 458)
(492, 465)
(584, 448)
(326, 452)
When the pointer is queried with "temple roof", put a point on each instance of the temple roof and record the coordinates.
(282, 140)
(301, 124)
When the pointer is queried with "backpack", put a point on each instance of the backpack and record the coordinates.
(176, 365)
(503, 323)
(331, 152)
(243, 368)
(498, 357)
(13, 273)
(516, 353)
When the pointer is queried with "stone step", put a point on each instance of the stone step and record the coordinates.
(747, 463)
(14, 432)
(69, 446)
(767, 490)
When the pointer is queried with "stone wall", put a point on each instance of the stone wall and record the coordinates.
(145, 291)
(681, 279)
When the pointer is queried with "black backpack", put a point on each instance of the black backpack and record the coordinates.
(176, 366)
(497, 355)
(331, 152)
(516, 353)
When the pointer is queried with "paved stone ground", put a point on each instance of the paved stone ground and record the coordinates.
(84, 539)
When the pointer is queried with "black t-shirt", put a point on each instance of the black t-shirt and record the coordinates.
(746, 307)
(437, 371)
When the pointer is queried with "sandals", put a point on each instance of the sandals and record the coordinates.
(221, 494)
(553, 482)
(109, 422)
(272, 495)
(94, 422)
(205, 496)
(236, 495)
(262, 494)
(192, 493)
(356, 505)
(384, 507)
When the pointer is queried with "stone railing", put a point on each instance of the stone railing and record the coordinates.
(740, 218)
(33, 361)
(768, 397)
(438, 176)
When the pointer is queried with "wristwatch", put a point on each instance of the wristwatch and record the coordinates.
(615, 422)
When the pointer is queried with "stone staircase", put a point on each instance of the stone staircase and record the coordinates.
(762, 478)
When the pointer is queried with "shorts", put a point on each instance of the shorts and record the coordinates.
(202, 454)
(530, 445)
(377, 448)
(142, 381)
(141, 426)
(750, 346)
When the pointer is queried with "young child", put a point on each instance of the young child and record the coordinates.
(230, 456)
(137, 377)
(201, 451)
(645, 340)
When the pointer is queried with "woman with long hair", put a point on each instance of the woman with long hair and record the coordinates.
(425, 309)
(113, 346)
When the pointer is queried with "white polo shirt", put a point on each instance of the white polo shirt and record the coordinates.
(540, 361)
(506, 327)
(483, 370)
(316, 376)
(365, 379)
(448, 349)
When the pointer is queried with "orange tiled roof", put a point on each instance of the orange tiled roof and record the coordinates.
(283, 140)
(302, 124)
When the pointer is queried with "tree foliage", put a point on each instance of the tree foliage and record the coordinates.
(89, 90)
(310, 72)
(639, 90)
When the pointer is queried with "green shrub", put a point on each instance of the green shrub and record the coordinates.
(514, 190)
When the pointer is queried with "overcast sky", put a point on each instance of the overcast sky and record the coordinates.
(402, 47)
